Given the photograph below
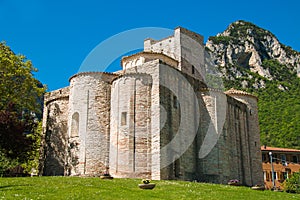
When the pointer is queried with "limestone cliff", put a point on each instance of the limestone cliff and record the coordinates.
(243, 47)
(252, 59)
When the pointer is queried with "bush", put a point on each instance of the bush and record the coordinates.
(220, 39)
(292, 185)
(6, 164)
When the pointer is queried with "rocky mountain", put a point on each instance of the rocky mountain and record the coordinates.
(244, 47)
(253, 59)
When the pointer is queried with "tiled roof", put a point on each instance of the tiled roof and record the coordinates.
(239, 92)
(263, 148)
(88, 73)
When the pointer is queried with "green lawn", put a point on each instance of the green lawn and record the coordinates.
(96, 188)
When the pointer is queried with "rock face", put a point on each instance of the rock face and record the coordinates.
(246, 45)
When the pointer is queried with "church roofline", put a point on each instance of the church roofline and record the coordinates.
(131, 74)
(205, 89)
(161, 56)
(197, 37)
(239, 92)
(62, 93)
(91, 73)
(153, 41)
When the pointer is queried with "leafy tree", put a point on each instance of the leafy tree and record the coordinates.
(6, 163)
(34, 153)
(17, 85)
(20, 105)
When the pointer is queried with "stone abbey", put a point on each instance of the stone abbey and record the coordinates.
(156, 118)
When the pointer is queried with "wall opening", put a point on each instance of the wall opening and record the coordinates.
(75, 125)
(123, 118)
(295, 159)
(175, 102)
(177, 168)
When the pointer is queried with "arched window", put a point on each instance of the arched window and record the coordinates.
(75, 125)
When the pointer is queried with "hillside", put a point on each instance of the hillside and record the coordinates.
(252, 59)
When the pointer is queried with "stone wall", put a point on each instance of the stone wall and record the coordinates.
(184, 46)
(90, 101)
(139, 87)
(130, 148)
(138, 59)
(55, 139)
(253, 136)
(237, 142)
(230, 157)
(179, 124)
(169, 46)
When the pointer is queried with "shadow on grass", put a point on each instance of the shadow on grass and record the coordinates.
(10, 187)
(7, 186)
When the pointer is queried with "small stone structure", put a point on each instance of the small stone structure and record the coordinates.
(131, 122)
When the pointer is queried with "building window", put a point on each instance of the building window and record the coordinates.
(275, 158)
(175, 102)
(193, 69)
(264, 157)
(275, 175)
(75, 125)
(177, 168)
(251, 112)
(285, 175)
(123, 118)
(267, 176)
(283, 159)
(280, 176)
(295, 159)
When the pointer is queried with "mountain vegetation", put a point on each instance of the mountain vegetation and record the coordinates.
(252, 59)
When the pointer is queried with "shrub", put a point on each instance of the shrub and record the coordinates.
(6, 164)
(292, 184)
(220, 39)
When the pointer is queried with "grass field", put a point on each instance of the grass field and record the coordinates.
(96, 188)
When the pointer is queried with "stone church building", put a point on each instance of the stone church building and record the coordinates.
(156, 118)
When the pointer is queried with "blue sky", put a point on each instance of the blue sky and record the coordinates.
(57, 35)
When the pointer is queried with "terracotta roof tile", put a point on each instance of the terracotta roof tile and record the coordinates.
(239, 92)
(263, 148)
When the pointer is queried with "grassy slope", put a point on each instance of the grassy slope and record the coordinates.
(95, 188)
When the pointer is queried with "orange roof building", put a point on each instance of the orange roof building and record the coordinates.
(285, 163)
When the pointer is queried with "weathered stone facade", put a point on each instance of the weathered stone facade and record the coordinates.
(154, 119)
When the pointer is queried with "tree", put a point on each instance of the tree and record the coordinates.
(20, 105)
(17, 85)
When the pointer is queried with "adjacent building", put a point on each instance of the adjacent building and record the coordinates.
(285, 163)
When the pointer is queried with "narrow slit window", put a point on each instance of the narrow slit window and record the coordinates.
(177, 168)
(123, 118)
(75, 125)
(193, 69)
(175, 102)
